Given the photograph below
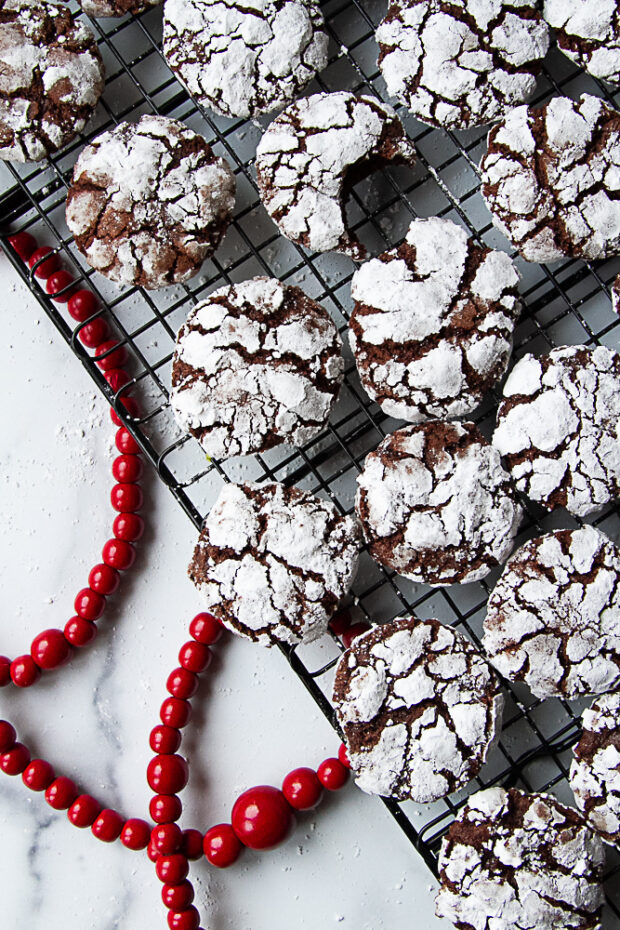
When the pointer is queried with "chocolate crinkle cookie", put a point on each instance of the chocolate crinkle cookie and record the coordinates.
(464, 63)
(117, 7)
(517, 861)
(149, 202)
(588, 31)
(551, 179)
(615, 295)
(51, 77)
(553, 619)
(256, 364)
(313, 153)
(272, 562)
(558, 428)
(243, 59)
(436, 504)
(432, 327)
(595, 770)
(419, 708)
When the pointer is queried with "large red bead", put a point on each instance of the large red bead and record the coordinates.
(82, 304)
(80, 632)
(166, 838)
(165, 808)
(191, 846)
(38, 775)
(126, 498)
(15, 759)
(332, 774)
(59, 282)
(164, 740)
(195, 657)
(118, 554)
(353, 632)
(135, 834)
(5, 671)
(167, 774)
(302, 789)
(177, 897)
(84, 811)
(221, 845)
(128, 527)
(152, 852)
(117, 378)
(172, 869)
(175, 712)
(131, 406)
(340, 622)
(94, 333)
(188, 919)
(181, 683)
(108, 826)
(115, 359)
(204, 628)
(261, 817)
(24, 244)
(7, 735)
(88, 604)
(61, 793)
(343, 756)
(127, 468)
(49, 266)
(103, 579)
(50, 649)
(125, 442)
(24, 671)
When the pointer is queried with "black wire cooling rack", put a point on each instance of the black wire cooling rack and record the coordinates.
(567, 302)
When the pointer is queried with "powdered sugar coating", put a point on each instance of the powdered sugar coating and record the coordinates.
(433, 321)
(242, 59)
(149, 202)
(51, 77)
(436, 504)
(462, 64)
(255, 364)
(588, 31)
(310, 150)
(419, 708)
(553, 619)
(117, 7)
(615, 295)
(517, 861)
(595, 770)
(272, 563)
(558, 428)
(551, 179)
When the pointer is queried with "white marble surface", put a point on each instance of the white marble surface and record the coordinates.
(346, 865)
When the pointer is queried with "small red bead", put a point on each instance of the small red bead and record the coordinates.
(167, 774)
(15, 759)
(93, 334)
(117, 378)
(205, 629)
(103, 579)
(115, 359)
(5, 671)
(61, 793)
(58, 285)
(332, 774)
(302, 789)
(340, 622)
(177, 897)
(49, 266)
(82, 304)
(165, 808)
(7, 735)
(261, 817)
(181, 683)
(172, 869)
(80, 632)
(127, 468)
(130, 405)
(175, 712)
(125, 442)
(128, 526)
(89, 605)
(107, 826)
(191, 847)
(188, 919)
(126, 498)
(118, 554)
(167, 838)
(50, 649)
(164, 740)
(221, 845)
(135, 834)
(353, 632)
(195, 657)
(24, 244)
(39, 775)
(84, 811)
(343, 756)
(152, 852)
(24, 671)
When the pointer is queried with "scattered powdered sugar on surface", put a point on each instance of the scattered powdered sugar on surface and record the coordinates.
(117, 7)
(595, 770)
(553, 619)
(517, 861)
(558, 427)
(419, 708)
(256, 364)
(588, 31)
(243, 59)
(433, 321)
(272, 562)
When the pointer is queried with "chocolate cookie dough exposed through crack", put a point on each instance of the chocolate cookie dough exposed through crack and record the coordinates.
(553, 619)
(588, 31)
(517, 861)
(313, 153)
(419, 708)
(51, 77)
(272, 562)
(595, 770)
(432, 327)
(256, 364)
(461, 63)
(241, 59)
(149, 202)
(117, 7)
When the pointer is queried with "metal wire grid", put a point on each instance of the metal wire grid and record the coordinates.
(567, 302)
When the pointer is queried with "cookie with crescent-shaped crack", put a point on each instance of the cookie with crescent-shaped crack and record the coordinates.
(588, 32)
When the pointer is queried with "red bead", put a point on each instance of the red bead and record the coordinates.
(24, 244)
(57, 285)
(175, 712)
(332, 774)
(5, 671)
(7, 735)
(15, 759)
(181, 683)
(221, 845)
(115, 359)
(93, 334)
(61, 793)
(82, 304)
(165, 808)
(353, 632)
(343, 756)
(80, 632)
(167, 774)
(195, 657)
(126, 498)
(130, 405)
(49, 266)
(191, 847)
(164, 740)
(118, 554)
(135, 834)
(84, 811)
(205, 629)
(177, 897)
(128, 527)
(127, 468)
(103, 579)
(261, 817)
(89, 605)
(117, 378)
(172, 869)
(125, 442)
(302, 789)
(39, 775)
(24, 671)
(340, 622)
(166, 838)
(152, 852)
(107, 826)
(188, 919)
(50, 649)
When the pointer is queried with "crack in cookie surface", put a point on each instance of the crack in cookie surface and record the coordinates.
(588, 32)
(595, 770)
(117, 7)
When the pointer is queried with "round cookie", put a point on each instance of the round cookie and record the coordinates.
(256, 364)
(588, 31)
(558, 428)
(51, 77)
(313, 153)
(461, 64)
(117, 7)
(595, 770)
(432, 327)
(517, 861)
(553, 619)
(243, 59)
(272, 562)
(419, 708)
(436, 504)
(615, 295)
(149, 202)
(551, 179)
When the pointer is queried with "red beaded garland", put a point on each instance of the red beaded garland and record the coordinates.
(166, 838)
(340, 622)
(353, 632)
(82, 304)
(188, 919)
(302, 789)
(24, 244)
(7, 735)
(221, 845)
(24, 671)
(164, 740)
(172, 869)
(103, 579)
(165, 808)
(135, 834)
(38, 775)
(332, 774)
(61, 793)
(205, 629)
(167, 774)
(191, 845)
(118, 554)
(88, 604)
(126, 498)
(130, 405)
(116, 358)
(94, 333)
(50, 649)
(195, 657)
(117, 378)
(57, 285)
(15, 759)
(80, 632)
(5, 671)
(261, 817)
(47, 267)
(125, 442)
(181, 683)
(127, 468)
(107, 826)
(128, 527)
(177, 897)
(84, 811)
(175, 712)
